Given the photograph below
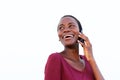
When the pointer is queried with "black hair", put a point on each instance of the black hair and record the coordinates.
(78, 22)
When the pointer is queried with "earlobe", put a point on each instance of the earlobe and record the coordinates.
(59, 39)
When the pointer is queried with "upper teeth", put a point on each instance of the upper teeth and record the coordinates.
(68, 36)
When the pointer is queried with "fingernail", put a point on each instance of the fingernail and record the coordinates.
(80, 33)
(78, 41)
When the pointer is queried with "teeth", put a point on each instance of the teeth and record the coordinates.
(68, 36)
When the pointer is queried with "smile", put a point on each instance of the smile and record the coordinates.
(67, 36)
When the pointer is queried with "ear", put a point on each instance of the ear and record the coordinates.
(59, 39)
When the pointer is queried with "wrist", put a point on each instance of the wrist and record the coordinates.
(91, 60)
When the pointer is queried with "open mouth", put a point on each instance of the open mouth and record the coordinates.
(68, 36)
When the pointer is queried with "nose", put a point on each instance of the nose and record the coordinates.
(67, 29)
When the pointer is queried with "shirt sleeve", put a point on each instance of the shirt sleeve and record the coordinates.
(53, 68)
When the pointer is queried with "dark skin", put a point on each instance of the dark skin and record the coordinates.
(68, 32)
(68, 26)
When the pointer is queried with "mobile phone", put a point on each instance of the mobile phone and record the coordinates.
(81, 40)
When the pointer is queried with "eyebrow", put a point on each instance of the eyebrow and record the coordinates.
(68, 24)
(71, 23)
(60, 25)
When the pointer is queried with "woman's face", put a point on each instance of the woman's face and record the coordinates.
(68, 31)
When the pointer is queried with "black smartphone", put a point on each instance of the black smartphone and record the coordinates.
(81, 40)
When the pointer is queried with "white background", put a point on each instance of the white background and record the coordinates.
(28, 35)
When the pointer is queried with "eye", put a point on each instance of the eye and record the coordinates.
(61, 27)
(71, 26)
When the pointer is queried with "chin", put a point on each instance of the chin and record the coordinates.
(71, 45)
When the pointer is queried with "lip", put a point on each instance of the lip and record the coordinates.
(68, 36)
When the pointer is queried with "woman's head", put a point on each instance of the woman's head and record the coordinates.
(78, 22)
(68, 30)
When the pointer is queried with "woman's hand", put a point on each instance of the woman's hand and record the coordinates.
(87, 47)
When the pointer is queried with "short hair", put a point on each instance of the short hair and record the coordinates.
(78, 22)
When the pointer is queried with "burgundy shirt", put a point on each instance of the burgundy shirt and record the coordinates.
(58, 69)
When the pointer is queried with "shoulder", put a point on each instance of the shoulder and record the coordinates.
(86, 61)
(53, 67)
(54, 54)
(88, 66)
(53, 61)
(54, 57)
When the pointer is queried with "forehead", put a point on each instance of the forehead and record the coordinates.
(68, 20)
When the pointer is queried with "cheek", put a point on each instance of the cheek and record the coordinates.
(59, 35)
(77, 32)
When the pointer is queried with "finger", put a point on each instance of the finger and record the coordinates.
(81, 35)
(87, 42)
(82, 44)
(86, 39)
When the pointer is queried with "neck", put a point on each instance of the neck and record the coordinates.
(72, 53)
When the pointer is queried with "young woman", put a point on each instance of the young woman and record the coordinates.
(69, 64)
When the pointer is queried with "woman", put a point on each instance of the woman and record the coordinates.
(69, 64)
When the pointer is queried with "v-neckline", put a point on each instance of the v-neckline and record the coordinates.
(63, 58)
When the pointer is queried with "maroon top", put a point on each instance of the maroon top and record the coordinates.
(58, 69)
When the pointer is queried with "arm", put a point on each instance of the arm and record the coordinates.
(96, 71)
(87, 47)
(52, 68)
